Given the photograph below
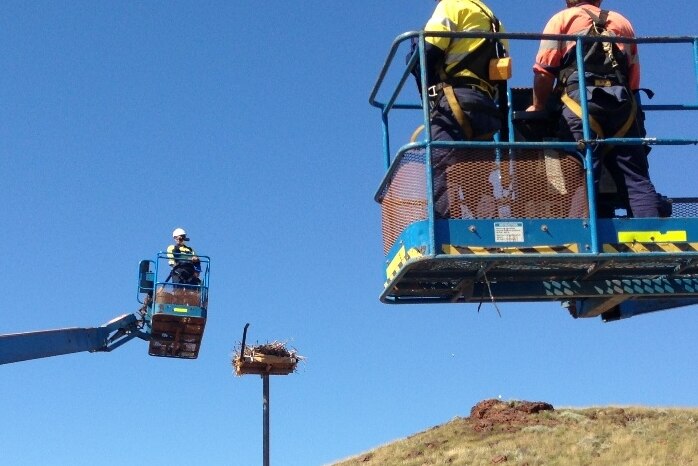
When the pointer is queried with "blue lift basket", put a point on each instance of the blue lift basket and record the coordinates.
(174, 315)
(523, 220)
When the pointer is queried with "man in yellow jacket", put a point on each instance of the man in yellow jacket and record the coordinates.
(186, 266)
(462, 92)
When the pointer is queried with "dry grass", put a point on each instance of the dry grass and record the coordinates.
(591, 436)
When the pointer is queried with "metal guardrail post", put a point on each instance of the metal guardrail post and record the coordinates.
(588, 151)
(265, 416)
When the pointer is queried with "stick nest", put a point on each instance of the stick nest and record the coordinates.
(270, 358)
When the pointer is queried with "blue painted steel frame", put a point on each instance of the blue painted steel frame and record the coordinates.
(162, 262)
(26, 346)
(42, 344)
(426, 236)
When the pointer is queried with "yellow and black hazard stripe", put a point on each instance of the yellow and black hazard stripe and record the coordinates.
(477, 250)
(652, 236)
(638, 247)
(651, 241)
(398, 261)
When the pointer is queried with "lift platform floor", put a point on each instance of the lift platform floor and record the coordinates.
(175, 336)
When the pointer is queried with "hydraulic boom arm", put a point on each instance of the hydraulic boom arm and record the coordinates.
(17, 347)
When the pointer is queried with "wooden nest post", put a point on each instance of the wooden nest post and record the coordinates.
(264, 360)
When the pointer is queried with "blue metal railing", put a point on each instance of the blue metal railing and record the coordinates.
(391, 102)
(163, 269)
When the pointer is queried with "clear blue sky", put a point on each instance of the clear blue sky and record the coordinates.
(247, 123)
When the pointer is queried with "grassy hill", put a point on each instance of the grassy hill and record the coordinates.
(532, 433)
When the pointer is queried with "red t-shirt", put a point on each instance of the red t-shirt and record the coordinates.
(575, 21)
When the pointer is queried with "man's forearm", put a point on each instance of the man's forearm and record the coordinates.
(542, 88)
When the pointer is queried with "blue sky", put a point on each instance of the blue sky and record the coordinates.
(248, 124)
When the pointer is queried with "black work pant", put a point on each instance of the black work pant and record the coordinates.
(627, 165)
(185, 274)
(445, 127)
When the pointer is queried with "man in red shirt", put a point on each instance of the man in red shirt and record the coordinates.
(612, 78)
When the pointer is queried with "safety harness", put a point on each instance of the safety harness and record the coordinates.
(184, 264)
(607, 65)
(477, 62)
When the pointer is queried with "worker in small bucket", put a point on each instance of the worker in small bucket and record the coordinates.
(186, 266)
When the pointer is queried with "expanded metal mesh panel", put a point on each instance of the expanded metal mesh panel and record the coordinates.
(684, 207)
(404, 200)
(509, 269)
(524, 271)
(532, 183)
(637, 267)
(477, 183)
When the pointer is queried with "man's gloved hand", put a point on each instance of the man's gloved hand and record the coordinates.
(665, 206)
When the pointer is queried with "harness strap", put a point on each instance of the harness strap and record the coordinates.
(461, 117)
(599, 21)
(629, 122)
(462, 120)
(436, 91)
(595, 82)
(611, 68)
(461, 82)
(416, 132)
(600, 25)
(477, 57)
(466, 63)
(576, 108)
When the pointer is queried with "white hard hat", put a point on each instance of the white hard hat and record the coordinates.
(179, 232)
(571, 3)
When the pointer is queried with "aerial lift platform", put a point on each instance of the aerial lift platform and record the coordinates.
(525, 227)
(172, 319)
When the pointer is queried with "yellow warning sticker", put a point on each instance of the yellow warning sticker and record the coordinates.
(181, 309)
(399, 260)
(651, 236)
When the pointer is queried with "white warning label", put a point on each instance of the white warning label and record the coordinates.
(508, 232)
